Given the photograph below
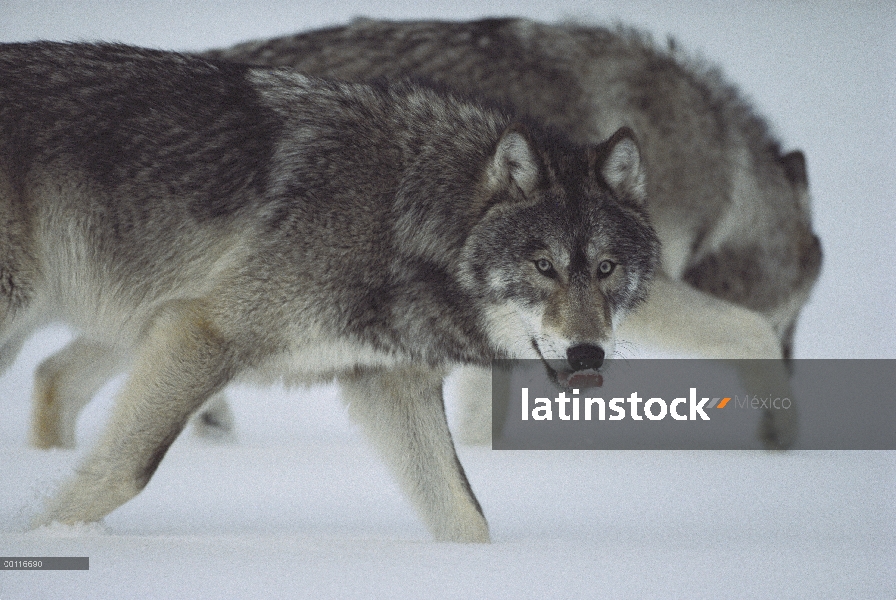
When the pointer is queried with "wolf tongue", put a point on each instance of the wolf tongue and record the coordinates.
(588, 378)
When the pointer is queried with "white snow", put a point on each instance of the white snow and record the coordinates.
(300, 507)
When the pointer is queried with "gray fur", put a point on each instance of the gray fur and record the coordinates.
(200, 221)
(698, 136)
(731, 208)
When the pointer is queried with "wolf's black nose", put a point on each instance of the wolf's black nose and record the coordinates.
(585, 356)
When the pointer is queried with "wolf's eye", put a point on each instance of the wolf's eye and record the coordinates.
(605, 268)
(545, 267)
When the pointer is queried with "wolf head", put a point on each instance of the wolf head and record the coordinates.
(564, 248)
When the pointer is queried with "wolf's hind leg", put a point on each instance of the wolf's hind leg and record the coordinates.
(680, 319)
(402, 412)
(63, 384)
(180, 363)
(764, 378)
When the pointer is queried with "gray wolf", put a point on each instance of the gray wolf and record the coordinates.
(200, 221)
(739, 257)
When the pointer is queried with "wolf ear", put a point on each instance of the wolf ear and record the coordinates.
(514, 165)
(622, 167)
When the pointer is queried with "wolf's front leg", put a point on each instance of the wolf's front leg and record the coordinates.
(180, 363)
(402, 412)
(65, 382)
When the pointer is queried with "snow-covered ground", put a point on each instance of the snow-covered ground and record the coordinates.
(300, 507)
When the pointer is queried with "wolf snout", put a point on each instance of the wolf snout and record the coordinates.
(585, 356)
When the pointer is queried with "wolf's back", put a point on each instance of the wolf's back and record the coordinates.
(731, 208)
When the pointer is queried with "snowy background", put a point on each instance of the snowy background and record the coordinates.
(299, 506)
